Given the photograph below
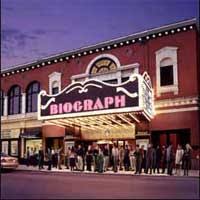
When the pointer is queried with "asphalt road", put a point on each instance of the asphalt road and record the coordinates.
(40, 185)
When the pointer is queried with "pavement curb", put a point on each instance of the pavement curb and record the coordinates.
(101, 174)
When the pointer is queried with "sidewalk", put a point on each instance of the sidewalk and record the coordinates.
(192, 173)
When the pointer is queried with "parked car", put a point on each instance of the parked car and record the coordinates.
(8, 162)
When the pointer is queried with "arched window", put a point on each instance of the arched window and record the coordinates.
(167, 70)
(14, 100)
(31, 96)
(2, 103)
(103, 65)
(55, 87)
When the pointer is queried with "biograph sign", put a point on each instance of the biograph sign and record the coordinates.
(92, 97)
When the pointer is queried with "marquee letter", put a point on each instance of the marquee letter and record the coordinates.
(120, 101)
(60, 108)
(77, 106)
(53, 109)
(67, 107)
(98, 104)
(108, 101)
(88, 103)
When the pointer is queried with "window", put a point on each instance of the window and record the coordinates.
(31, 96)
(55, 88)
(54, 82)
(4, 147)
(166, 75)
(103, 65)
(14, 100)
(167, 70)
(14, 148)
(2, 103)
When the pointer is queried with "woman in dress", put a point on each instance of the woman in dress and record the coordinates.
(178, 159)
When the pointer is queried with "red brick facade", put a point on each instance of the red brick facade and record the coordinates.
(143, 53)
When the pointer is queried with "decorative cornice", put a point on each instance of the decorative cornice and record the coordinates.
(176, 102)
(107, 45)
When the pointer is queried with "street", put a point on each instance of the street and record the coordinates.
(40, 185)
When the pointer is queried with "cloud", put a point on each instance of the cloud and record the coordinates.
(12, 39)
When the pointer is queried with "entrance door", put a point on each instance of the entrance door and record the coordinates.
(176, 137)
(54, 143)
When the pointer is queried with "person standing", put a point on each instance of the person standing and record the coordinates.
(72, 159)
(158, 159)
(154, 159)
(121, 157)
(53, 152)
(170, 159)
(49, 158)
(100, 160)
(143, 154)
(106, 158)
(132, 159)
(31, 157)
(115, 156)
(27, 156)
(149, 159)
(95, 155)
(126, 158)
(178, 159)
(80, 155)
(163, 158)
(187, 159)
(40, 158)
(89, 158)
(67, 157)
(138, 159)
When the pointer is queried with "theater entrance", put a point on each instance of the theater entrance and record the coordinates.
(54, 143)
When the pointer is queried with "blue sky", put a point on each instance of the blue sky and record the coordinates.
(34, 29)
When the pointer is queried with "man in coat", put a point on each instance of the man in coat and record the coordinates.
(41, 158)
(138, 158)
(169, 158)
(115, 156)
(149, 159)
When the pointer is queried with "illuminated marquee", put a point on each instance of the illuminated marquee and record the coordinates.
(94, 97)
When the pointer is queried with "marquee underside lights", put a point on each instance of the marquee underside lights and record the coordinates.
(108, 47)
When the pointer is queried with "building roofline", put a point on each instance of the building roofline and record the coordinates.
(105, 43)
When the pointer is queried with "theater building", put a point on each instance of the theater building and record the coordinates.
(135, 89)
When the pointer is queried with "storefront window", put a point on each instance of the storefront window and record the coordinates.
(14, 148)
(4, 147)
(34, 144)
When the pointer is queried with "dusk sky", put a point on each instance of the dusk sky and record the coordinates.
(34, 29)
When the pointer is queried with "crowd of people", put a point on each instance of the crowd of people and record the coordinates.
(101, 158)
